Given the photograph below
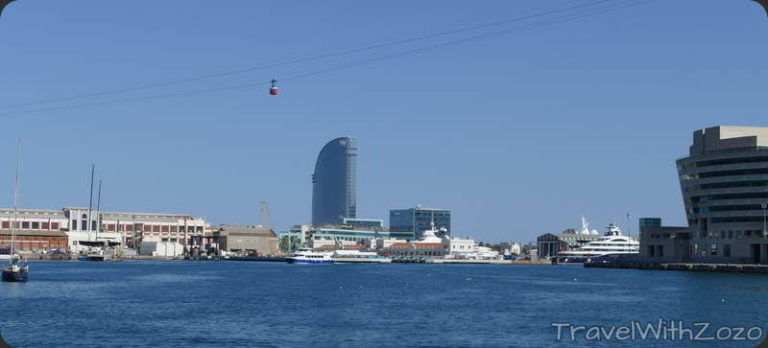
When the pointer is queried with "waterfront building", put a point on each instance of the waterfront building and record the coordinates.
(428, 246)
(156, 246)
(550, 244)
(130, 229)
(460, 248)
(356, 230)
(250, 239)
(724, 182)
(417, 220)
(37, 230)
(334, 182)
(663, 243)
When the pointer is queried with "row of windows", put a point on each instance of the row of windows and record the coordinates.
(711, 250)
(737, 234)
(139, 227)
(735, 207)
(718, 185)
(734, 172)
(736, 219)
(724, 161)
(31, 225)
(728, 196)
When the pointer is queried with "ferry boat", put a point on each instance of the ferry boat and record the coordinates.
(306, 255)
(612, 243)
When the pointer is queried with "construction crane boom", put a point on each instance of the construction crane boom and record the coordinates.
(265, 212)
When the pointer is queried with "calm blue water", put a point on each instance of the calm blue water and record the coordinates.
(220, 304)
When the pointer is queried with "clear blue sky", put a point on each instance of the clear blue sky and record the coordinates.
(518, 134)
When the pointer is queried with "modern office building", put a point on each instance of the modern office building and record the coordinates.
(334, 182)
(417, 220)
(724, 182)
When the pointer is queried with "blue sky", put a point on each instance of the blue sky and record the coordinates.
(518, 134)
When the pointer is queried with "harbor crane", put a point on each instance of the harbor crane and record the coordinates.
(265, 212)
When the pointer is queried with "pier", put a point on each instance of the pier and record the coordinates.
(691, 267)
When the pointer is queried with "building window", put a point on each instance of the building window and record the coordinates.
(6, 224)
(727, 250)
(46, 225)
(54, 225)
(25, 225)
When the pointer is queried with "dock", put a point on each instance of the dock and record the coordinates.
(690, 267)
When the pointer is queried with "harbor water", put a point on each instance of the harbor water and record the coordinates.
(245, 304)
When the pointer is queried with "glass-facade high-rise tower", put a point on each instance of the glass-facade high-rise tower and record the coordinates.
(334, 183)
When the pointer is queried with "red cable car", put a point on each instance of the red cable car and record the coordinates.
(273, 90)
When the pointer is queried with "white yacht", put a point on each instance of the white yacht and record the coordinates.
(306, 255)
(612, 243)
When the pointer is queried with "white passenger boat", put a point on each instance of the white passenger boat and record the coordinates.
(611, 244)
(306, 255)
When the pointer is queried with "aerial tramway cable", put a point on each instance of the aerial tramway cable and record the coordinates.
(586, 11)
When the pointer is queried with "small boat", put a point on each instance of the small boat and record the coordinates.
(306, 255)
(16, 271)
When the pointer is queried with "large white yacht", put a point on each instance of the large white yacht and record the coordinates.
(612, 243)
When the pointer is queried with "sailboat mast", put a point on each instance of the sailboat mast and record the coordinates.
(98, 210)
(15, 200)
(90, 203)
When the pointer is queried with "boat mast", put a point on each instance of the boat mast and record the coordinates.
(90, 204)
(98, 210)
(15, 200)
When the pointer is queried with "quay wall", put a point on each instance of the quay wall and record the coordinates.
(690, 267)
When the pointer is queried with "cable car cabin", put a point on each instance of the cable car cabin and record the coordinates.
(273, 89)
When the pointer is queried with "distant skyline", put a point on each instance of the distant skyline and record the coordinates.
(518, 134)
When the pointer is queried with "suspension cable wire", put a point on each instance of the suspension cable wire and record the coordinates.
(309, 58)
(616, 5)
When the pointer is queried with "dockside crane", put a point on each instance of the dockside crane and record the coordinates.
(265, 212)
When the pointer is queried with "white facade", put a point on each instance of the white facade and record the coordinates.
(459, 248)
(155, 246)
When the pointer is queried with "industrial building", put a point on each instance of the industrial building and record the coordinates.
(417, 220)
(36, 230)
(249, 239)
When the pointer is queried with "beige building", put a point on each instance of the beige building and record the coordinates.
(235, 238)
